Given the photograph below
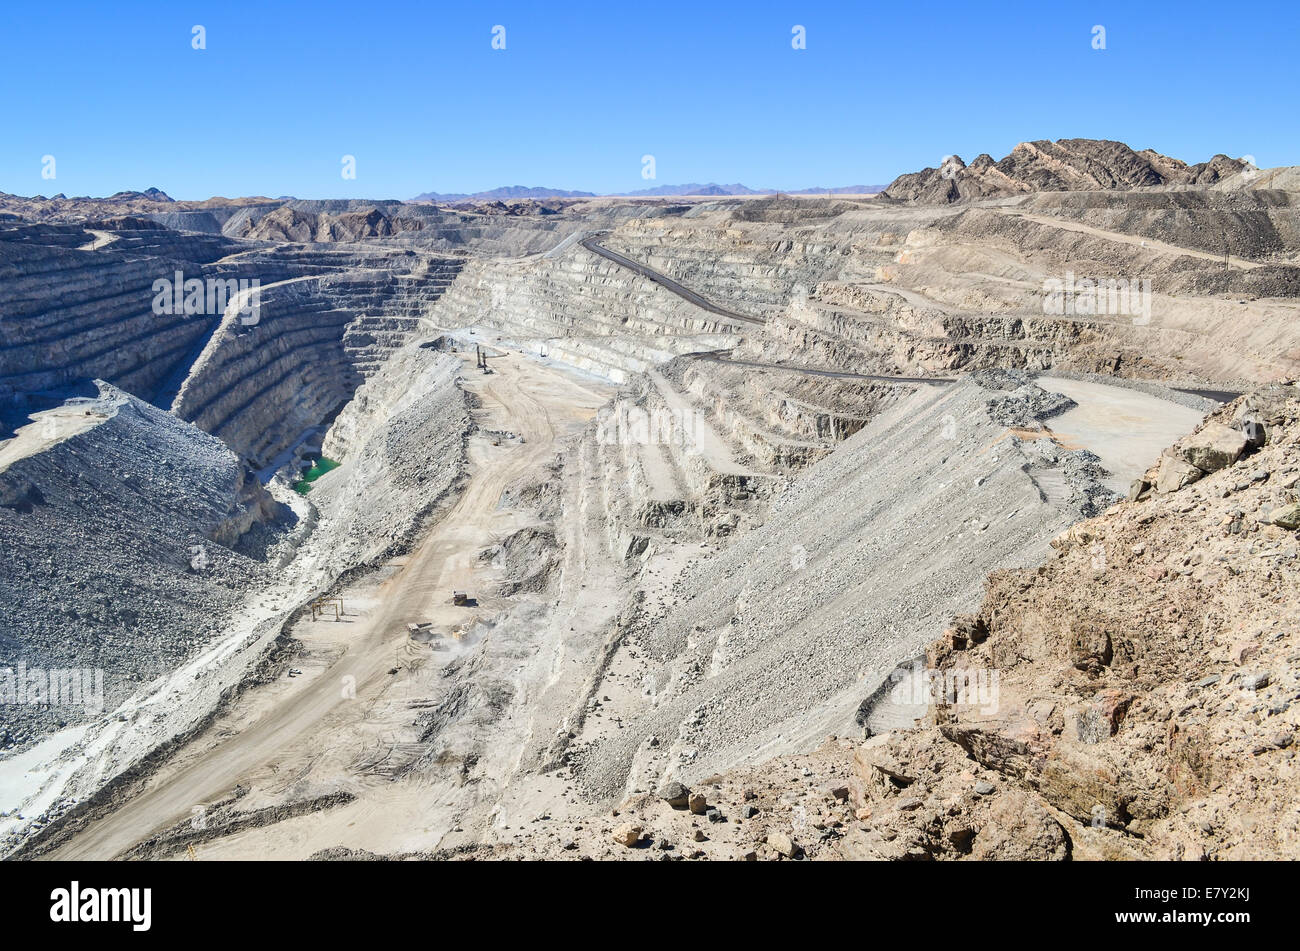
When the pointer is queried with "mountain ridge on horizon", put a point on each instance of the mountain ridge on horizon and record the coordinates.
(1043, 165)
(1038, 165)
(691, 189)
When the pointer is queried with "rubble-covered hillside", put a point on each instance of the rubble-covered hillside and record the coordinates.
(1134, 696)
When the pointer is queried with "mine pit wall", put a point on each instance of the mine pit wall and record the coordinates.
(71, 316)
(784, 417)
(1208, 321)
(704, 445)
(763, 254)
(887, 335)
(816, 422)
(631, 502)
(259, 387)
(1060, 248)
(316, 340)
(741, 422)
(716, 487)
(517, 235)
(101, 535)
(734, 265)
(617, 475)
(581, 309)
(728, 260)
(658, 482)
(847, 325)
(864, 330)
(684, 440)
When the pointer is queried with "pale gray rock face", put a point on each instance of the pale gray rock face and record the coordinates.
(124, 548)
(318, 336)
(71, 315)
(402, 439)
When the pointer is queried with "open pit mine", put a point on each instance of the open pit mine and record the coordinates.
(953, 522)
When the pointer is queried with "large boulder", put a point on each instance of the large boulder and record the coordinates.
(676, 795)
(628, 834)
(1288, 516)
(878, 765)
(1019, 829)
(1175, 473)
(783, 844)
(1215, 447)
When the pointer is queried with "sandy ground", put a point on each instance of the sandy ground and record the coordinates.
(49, 427)
(1128, 429)
(276, 735)
(102, 240)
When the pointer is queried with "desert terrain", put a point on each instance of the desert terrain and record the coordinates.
(956, 521)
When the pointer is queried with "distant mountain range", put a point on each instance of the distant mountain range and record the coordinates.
(508, 191)
(694, 188)
(714, 189)
(524, 192)
(149, 194)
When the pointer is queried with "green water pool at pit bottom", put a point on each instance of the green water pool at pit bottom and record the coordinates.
(303, 485)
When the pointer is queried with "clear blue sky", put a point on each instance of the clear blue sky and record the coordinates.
(714, 91)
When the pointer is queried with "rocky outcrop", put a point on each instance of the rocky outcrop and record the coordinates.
(292, 224)
(1063, 165)
(1146, 685)
(72, 314)
(1216, 444)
